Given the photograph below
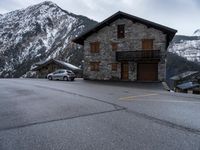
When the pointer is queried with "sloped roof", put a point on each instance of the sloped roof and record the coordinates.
(184, 75)
(188, 85)
(72, 67)
(61, 63)
(169, 31)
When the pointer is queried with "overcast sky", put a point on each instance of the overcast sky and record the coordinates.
(183, 15)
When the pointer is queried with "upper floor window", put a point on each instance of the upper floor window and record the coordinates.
(94, 66)
(114, 46)
(121, 31)
(94, 47)
(147, 44)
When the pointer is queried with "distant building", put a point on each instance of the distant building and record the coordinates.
(188, 76)
(51, 65)
(125, 47)
(187, 82)
(189, 87)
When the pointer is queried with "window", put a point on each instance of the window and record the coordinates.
(114, 66)
(147, 44)
(120, 31)
(94, 66)
(62, 71)
(114, 46)
(94, 47)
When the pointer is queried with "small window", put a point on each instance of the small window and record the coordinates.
(114, 46)
(114, 66)
(56, 72)
(94, 66)
(94, 47)
(120, 31)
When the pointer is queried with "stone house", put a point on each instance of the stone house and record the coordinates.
(51, 65)
(125, 47)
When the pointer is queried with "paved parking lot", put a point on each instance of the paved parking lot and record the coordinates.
(45, 115)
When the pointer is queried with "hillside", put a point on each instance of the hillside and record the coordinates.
(187, 46)
(177, 64)
(37, 33)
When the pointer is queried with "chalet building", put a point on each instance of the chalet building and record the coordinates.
(125, 47)
(187, 82)
(188, 76)
(51, 65)
(188, 87)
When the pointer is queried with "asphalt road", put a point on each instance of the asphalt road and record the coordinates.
(88, 115)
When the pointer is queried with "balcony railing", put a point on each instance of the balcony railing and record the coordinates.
(138, 55)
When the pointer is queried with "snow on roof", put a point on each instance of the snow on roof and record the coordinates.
(188, 85)
(183, 75)
(62, 63)
(68, 65)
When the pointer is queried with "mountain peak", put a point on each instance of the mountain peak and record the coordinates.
(43, 5)
(36, 33)
(47, 3)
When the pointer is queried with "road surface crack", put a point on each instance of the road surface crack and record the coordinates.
(88, 97)
(58, 119)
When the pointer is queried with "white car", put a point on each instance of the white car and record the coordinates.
(62, 74)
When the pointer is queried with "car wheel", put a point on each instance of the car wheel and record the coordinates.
(72, 79)
(65, 78)
(50, 77)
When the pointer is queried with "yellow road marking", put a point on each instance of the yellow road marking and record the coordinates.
(137, 96)
(170, 101)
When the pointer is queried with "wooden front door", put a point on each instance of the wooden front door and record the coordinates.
(147, 71)
(147, 44)
(124, 71)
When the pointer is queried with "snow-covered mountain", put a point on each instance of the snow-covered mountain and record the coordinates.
(45, 30)
(37, 33)
(187, 46)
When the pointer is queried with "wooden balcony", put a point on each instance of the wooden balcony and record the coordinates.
(138, 55)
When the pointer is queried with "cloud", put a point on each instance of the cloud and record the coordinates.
(180, 14)
(8, 4)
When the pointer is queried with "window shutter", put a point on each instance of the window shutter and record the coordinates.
(95, 47)
(114, 46)
(94, 66)
(114, 66)
(147, 44)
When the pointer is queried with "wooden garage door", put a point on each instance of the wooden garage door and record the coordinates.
(148, 71)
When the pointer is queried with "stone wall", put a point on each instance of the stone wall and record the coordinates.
(134, 33)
